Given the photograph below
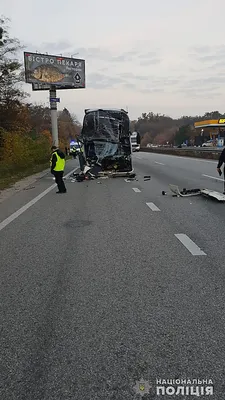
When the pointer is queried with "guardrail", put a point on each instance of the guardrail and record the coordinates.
(196, 152)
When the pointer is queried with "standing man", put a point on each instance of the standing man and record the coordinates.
(57, 164)
(219, 165)
(74, 152)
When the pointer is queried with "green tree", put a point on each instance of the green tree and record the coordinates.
(68, 125)
(182, 134)
(11, 77)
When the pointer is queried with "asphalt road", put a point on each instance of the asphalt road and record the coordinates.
(102, 286)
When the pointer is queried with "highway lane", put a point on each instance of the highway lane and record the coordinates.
(97, 291)
(202, 218)
(183, 170)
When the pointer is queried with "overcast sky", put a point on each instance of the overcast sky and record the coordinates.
(165, 56)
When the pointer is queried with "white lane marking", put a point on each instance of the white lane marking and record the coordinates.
(136, 190)
(21, 210)
(190, 245)
(153, 207)
(213, 177)
(156, 162)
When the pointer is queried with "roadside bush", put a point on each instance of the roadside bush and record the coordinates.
(19, 152)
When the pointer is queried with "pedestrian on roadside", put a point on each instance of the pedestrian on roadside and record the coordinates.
(57, 164)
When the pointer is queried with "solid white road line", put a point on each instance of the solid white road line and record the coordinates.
(156, 162)
(16, 214)
(213, 177)
(153, 207)
(136, 190)
(190, 245)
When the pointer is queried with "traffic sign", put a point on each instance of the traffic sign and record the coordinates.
(54, 100)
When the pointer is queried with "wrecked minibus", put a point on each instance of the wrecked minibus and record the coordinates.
(106, 139)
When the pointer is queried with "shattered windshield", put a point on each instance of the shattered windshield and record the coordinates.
(105, 125)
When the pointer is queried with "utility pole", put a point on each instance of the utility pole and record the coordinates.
(53, 107)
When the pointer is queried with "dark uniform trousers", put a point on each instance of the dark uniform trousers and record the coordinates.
(59, 181)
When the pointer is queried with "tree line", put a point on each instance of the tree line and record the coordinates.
(160, 128)
(25, 128)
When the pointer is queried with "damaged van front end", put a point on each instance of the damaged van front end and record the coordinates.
(106, 139)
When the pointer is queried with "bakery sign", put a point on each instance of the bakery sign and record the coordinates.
(45, 70)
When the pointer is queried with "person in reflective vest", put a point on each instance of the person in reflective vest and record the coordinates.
(57, 164)
(74, 152)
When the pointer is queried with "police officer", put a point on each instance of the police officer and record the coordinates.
(74, 152)
(57, 164)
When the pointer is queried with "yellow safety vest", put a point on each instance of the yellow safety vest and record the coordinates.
(60, 163)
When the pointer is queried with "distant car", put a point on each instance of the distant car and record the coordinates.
(209, 143)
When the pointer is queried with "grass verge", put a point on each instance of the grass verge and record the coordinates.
(8, 175)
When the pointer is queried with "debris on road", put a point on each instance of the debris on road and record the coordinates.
(131, 179)
(213, 194)
(184, 193)
(196, 192)
(29, 187)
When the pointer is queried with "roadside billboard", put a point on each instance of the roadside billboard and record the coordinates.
(44, 70)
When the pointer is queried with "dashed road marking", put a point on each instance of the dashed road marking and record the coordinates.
(136, 190)
(153, 207)
(156, 162)
(190, 245)
(21, 210)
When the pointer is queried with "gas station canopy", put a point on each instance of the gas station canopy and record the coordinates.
(210, 123)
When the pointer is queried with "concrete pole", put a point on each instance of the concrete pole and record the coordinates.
(53, 106)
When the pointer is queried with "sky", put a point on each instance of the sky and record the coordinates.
(165, 56)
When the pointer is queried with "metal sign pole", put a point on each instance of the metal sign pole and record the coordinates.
(53, 106)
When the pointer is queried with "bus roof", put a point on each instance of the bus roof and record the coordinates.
(88, 110)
